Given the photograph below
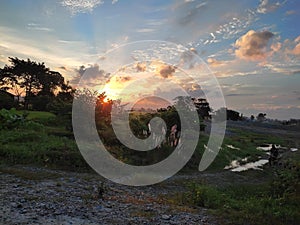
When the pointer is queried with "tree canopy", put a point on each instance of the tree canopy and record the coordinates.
(31, 79)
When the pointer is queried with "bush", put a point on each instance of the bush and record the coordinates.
(10, 119)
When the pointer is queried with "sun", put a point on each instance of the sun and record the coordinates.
(110, 92)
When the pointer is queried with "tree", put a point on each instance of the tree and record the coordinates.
(103, 107)
(233, 115)
(261, 116)
(6, 100)
(202, 107)
(33, 78)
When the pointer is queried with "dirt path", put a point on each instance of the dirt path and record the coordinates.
(31, 195)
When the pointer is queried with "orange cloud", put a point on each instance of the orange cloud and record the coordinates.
(162, 69)
(141, 67)
(214, 62)
(123, 79)
(297, 39)
(166, 71)
(276, 47)
(295, 50)
(253, 45)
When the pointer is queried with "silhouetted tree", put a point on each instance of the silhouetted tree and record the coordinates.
(103, 107)
(6, 100)
(35, 79)
(202, 107)
(233, 115)
(261, 116)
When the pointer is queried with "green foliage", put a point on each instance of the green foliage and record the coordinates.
(10, 119)
(36, 115)
(63, 112)
(286, 182)
(32, 146)
(274, 203)
(205, 196)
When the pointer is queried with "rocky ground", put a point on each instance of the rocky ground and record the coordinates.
(31, 195)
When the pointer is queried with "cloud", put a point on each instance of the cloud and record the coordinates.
(161, 69)
(188, 59)
(57, 53)
(38, 27)
(63, 68)
(193, 89)
(123, 79)
(145, 30)
(93, 75)
(266, 6)
(141, 67)
(192, 14)
(290, 12)
(166, 71)
(81, 6)
(253, 45)
(276, 47)
(286, 68)
(214, 62)
(241, 94)
(295, 50)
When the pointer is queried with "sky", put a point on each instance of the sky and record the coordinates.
(250, 49)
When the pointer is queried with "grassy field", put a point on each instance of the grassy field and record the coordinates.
(271, 196)
(41, 140)
(38, 115)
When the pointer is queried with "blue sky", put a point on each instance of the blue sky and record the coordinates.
(252, 47)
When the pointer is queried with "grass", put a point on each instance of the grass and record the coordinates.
(36, 115)
(45, 142)
(271, 196)
(37, 147)
(34, 142)
(246, 204)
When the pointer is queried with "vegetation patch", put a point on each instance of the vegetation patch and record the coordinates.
(276, 202)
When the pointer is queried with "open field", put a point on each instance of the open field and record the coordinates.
(36, 158)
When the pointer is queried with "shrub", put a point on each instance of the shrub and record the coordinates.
(10, 119)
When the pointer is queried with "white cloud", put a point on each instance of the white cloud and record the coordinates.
(145, 30)
(266, 6)
(56, 53)
(81, 6)
(38, 27)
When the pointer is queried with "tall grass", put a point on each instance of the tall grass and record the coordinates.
(276, 202)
